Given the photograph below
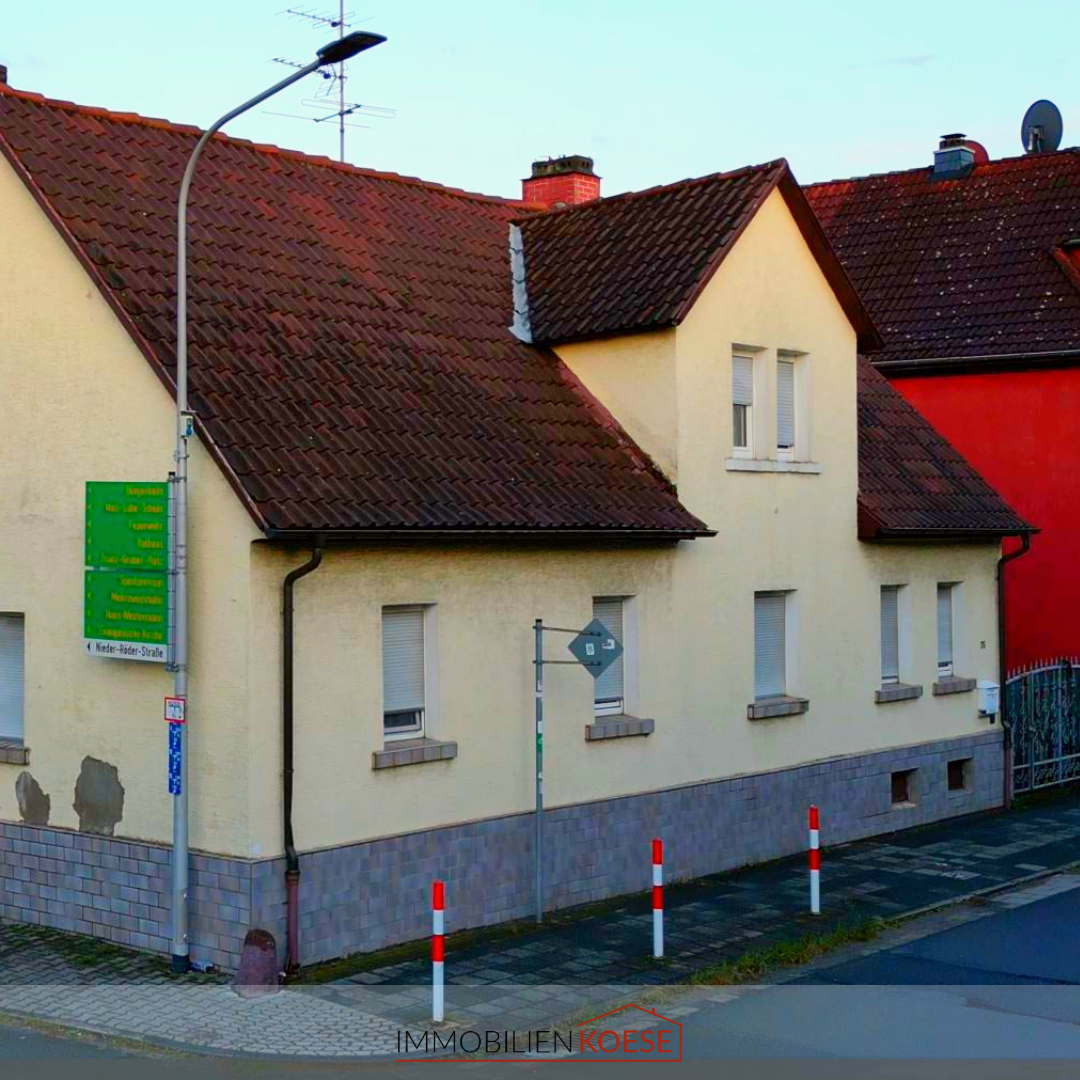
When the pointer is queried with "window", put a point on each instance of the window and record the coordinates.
(945, 629)
(12, 676)
(785, 409)
(959, 772)
(742, 396)
(609, 690)
(890, 635)
(403, 670)
(770, 644)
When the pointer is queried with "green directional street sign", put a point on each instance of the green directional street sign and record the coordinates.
(125, 602)
(127, 526)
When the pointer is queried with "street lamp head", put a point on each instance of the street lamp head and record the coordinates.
(347, 47)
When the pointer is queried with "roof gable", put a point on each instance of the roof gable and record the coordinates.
(349, 361)
(639, 261)
(962, 268)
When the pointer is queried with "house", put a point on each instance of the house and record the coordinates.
(971, 270)
(801, 574)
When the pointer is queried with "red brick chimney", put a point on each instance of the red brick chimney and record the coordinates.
(564, 181)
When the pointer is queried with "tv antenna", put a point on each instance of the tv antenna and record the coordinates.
(1041, 128)
(330, 100)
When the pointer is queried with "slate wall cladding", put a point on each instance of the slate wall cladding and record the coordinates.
(365, 896)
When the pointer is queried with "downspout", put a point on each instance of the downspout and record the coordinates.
(292, 860)
(1006, 720)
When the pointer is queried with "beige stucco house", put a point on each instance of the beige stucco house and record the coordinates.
(648, 408)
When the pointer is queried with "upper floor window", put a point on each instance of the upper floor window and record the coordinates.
(12, 675)
(742, 396)
(890, 634)
(609, 690)
(404, 670)
(945, 593)
(785, 408)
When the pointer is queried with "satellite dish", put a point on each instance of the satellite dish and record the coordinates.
(1041, 129)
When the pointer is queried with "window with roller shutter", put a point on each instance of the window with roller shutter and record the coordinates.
(12, 675)
(770, 644)
(890, 635)
(945, 629)
(742, 397)
(609, 692)
(403, 670)
(785, 408)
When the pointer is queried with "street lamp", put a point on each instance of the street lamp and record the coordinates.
(335, 53)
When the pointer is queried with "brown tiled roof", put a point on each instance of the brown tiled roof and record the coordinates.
(350, 362)
(962, 268)
(911, 480)
(639, 261)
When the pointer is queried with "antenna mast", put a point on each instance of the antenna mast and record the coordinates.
(341, 22)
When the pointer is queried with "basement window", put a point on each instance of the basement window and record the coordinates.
(959, 774)
(903, 787)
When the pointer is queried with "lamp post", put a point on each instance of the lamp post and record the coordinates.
(334, 53)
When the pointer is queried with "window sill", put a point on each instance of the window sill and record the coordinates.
(736, 464)
(953, 685)
(413, 752)
(767, 708)
(897, 692)
(13, 752)
(617, 727)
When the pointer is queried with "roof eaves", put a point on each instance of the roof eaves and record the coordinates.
(492, 535)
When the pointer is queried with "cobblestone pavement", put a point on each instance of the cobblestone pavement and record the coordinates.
(571, 969)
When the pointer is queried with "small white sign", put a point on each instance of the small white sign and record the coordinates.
(124, 650)
(174, 710)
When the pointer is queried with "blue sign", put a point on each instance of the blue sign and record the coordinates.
(175, 734)
(595, 648)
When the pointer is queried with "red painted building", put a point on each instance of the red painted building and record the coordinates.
(971, 270)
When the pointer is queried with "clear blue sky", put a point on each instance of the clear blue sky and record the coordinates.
(654, 91)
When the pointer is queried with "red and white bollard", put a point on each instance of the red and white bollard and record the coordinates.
(815, 864)
(438, 929)
(658, 898)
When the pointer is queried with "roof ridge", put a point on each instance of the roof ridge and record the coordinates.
(264, 148)
(658, 189)
(982, 166)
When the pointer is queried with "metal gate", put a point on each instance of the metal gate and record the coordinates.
(1043, 707)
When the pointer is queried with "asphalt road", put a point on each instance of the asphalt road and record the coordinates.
(1005, 986)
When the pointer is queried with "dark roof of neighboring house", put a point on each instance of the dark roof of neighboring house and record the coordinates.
(349, 357)
(970, 267)
(638, 261)
(911, 480)
(350, 364)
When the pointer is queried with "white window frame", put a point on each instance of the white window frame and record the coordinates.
(427, 713)
(790, 643)
(746, 451)
(13, 726)
(888, 678)
(948, 669)
(625, 705)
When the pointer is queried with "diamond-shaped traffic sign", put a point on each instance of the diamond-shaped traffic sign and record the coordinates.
(595, 648)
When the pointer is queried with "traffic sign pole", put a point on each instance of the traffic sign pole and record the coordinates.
(538, 845)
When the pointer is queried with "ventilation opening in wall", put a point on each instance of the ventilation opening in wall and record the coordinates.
(960, 774)
(903, 787)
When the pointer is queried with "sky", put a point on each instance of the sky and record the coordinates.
(653, 90)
